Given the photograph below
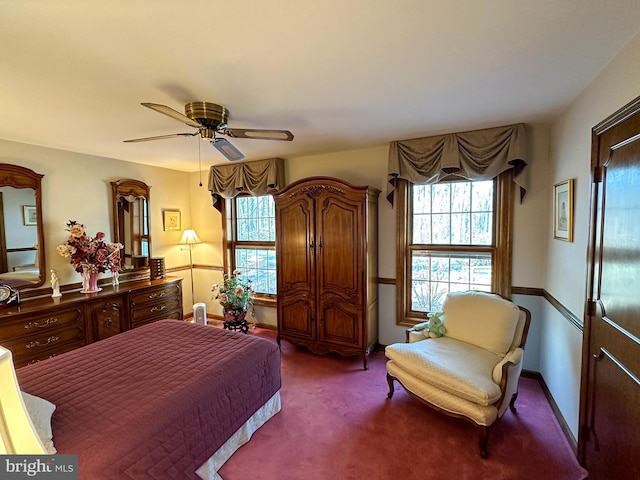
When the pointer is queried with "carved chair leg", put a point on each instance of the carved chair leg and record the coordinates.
(391, 387)
(484, 437)
(512, 403)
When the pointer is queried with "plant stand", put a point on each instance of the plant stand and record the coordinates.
(236, 325)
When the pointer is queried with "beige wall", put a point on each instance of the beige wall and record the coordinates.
(76, 187)
(565, 278)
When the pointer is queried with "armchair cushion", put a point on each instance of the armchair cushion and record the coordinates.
(483, 319)
(459, 368)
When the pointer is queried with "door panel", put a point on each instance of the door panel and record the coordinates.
(340, 270)
(340, 322)
(609, 438)
(619, 292)
(295, 245)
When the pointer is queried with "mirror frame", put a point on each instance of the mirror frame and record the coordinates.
(22, 177)
(131, 190)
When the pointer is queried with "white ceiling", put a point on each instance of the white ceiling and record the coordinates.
(340, 74)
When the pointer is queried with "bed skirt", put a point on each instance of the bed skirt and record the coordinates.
(209, 469)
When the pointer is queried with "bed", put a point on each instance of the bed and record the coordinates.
(166, 400)
(24, 275)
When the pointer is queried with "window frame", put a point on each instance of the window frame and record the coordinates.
(501, 250)
(231, 242)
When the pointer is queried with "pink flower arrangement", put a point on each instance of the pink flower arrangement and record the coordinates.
(87, 253)
(235, 294)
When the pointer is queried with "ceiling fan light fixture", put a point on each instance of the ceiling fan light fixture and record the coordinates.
(227, 149)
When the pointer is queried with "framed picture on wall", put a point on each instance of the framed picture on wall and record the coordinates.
(29, 215)
(563, 210)
(171, 220)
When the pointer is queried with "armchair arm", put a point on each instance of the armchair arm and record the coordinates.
(415, 333)
(514, 356)
(508, 372)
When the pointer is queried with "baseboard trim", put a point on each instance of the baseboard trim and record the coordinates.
(554, 407)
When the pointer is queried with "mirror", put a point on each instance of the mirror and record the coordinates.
(131, 223)
(22, 259)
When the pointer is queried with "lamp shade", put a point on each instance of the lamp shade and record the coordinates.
(189, 237)
(17, 434)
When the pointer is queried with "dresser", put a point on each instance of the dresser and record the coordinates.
(44, 327)
(326, 250)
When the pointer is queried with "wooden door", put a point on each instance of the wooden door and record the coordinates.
(609, 437)
(295, 250)
(340, 268)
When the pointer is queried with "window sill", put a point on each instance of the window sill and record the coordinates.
(265, 301)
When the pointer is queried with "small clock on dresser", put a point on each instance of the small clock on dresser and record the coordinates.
(8, 296)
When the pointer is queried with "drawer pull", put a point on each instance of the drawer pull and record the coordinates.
(36, 360)
(37, 343)
(46, 323)
(157, 294)
(157, 309)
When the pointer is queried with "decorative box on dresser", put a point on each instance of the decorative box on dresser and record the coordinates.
(326, 250)
(44, 327)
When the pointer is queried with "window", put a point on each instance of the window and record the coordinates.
(251, 240)
(451, 238)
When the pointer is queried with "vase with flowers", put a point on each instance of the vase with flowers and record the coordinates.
(90, 256)
(236, 297)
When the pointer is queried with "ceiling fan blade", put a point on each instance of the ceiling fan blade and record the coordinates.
(161, 137)
(284, 135)
(170, 112)
(226, 149)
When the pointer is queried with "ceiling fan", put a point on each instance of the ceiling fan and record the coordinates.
(211, 119)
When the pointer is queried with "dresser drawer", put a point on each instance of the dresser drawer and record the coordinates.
(39, 356)
(43, 344)
(164, 307)
(155, 294)
(171, 314)
(40, 325)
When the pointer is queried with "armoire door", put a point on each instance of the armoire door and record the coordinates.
(609, 437)
(340, 271)
(295, 245)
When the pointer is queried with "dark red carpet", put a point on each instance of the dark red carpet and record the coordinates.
(337, 423)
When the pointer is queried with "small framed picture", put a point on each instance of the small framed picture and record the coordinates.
(29, 215)
(171, 219)
(563, 211)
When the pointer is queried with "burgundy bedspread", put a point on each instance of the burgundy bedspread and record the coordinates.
(154, 402)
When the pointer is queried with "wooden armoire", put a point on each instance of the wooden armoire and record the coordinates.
(327, 256)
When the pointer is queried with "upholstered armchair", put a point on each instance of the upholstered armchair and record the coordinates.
(471, 371)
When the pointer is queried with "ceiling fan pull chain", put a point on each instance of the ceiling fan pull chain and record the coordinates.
(199, 161)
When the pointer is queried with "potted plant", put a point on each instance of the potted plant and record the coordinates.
(235, 295)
